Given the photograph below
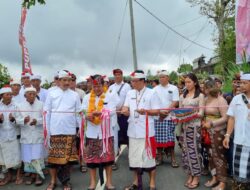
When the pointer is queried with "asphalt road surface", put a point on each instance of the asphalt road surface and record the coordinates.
(168, 178)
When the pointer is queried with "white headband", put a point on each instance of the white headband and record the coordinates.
(29, 89)
(36, 77)
(245, 77)
(162, 72)
(135, 75)
(64, 74)
(5, 90)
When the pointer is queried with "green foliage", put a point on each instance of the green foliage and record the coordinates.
(29, 3)
(185, 68)
(173, 77)
(4, 76)
(46, 85)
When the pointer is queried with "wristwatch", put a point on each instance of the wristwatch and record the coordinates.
(227, 135)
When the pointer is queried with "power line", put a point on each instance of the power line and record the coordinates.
(165, 36)
(187, 22)
(161, 46)
(172, 29)
(119, 35)
(198, 35)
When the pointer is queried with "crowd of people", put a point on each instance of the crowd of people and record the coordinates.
(46, 129)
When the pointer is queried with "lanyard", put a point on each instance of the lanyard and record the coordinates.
(138, 101)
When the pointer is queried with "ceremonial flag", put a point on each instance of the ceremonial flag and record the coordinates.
(26, 66)
(242, 30)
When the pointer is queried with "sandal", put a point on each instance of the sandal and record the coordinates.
(30, 181)
(132, 187)
(51, 186)
(38, 181)
(19, 181)
(5, 181)
(67, 186)
(110, 188)
(152, 188)
(209, 184)
(193, 186)
(114, 167)
(83, 169)
(174, 164)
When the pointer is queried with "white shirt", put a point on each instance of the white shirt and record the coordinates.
(21, 92)
(167, 94)
(52, 88)
(81, 93)
(7, 128)
(62, 101)
(42, 94)
(145, 99)
(110, 102)
(31, 134)
(238, 109)
(123, 91)
(18, 99)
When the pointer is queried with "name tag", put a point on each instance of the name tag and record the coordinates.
(105, 103)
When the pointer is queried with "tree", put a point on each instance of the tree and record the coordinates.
(4, 76)
(185, 68)
(173, 77)
(218, 11)
(29, 3)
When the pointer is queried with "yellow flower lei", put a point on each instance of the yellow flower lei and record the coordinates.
(99, 107)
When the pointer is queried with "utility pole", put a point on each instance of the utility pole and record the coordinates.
(133, 34)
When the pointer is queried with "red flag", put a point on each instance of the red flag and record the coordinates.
(26, 66)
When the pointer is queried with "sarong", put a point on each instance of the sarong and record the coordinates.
(33, 158)
(138, 158)
(93, 153)
(217, 157)
(191, 147)
(241, 163)
(10, 155)
(164, 133)
(62, 149)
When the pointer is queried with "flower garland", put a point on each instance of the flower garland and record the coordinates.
(92, 107)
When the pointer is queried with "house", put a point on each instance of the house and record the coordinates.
(199, 64)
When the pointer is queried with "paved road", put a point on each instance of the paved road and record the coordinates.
(167, 178)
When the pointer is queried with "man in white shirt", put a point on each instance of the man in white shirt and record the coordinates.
(25, 80)
(142, 149)
(99, 150)
(10, 156)
(41, 92)
(32, 138)
(164, 126)
(121, 88)
(239, 122)
(73, 87)
(16, 87)
(62, 107)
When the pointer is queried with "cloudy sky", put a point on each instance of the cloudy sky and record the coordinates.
(82, 35)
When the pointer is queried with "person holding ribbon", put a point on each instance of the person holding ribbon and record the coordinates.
(32, 138)
(164, 126)
(191, 134)
(239, 122)
(61, 110)
(100, 106)
(141, 104)
(215, 124)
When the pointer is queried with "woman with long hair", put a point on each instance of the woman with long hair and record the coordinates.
(191, 135)
(215, 121)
